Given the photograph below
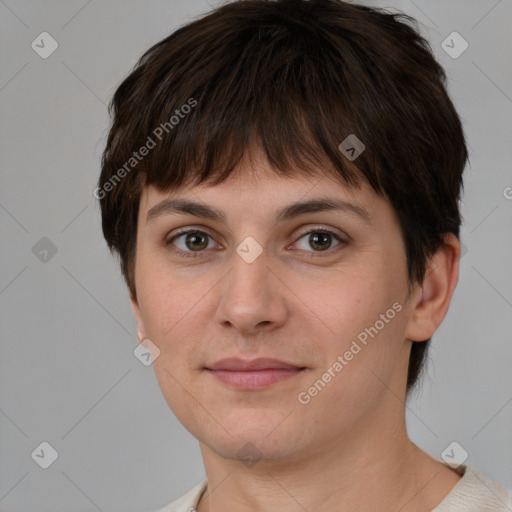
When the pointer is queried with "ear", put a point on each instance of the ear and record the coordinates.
(432, 299)
(141, 331)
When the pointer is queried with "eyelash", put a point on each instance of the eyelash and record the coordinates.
(314, 254)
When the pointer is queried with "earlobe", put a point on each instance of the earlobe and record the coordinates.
(141, 332)
(432, 300)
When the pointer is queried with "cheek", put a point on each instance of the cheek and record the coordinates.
(361, 310)
(346, 300)
(163, 299)
(178, 312)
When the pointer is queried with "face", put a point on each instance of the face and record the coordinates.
(323, 290)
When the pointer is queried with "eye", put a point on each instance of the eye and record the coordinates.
(193, 242)
(319, 239)
(190, 241)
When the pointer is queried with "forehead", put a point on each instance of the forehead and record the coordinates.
(255, 189)
(264, 195)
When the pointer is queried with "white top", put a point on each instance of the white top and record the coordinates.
(472, 493)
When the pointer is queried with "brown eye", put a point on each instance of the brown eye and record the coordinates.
(190, 241)
(318, 240)
(195, 241)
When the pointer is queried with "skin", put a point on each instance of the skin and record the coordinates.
(348, 448)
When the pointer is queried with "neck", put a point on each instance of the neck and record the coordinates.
(362, 470)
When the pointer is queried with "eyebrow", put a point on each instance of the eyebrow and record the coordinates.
(177, 206)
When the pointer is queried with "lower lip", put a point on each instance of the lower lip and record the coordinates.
(255, 379)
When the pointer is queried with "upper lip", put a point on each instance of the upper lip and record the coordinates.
(261, 363)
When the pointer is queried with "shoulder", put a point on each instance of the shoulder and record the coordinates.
(475, 492)
(187, 502)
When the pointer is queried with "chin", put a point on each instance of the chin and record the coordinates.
(252, 450)
(257, 442)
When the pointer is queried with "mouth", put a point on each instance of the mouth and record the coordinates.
(255, 374)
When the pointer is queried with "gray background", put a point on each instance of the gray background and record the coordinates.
(68, 374)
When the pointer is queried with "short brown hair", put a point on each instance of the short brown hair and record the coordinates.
(295, 77)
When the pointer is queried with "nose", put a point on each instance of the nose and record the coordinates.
(253, 298)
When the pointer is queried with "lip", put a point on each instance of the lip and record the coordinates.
(253, 374)
(261, 363)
